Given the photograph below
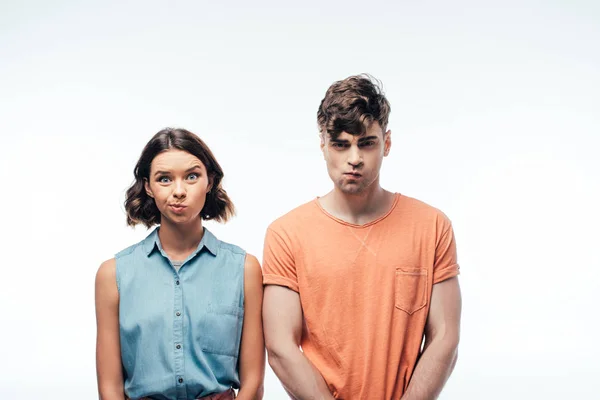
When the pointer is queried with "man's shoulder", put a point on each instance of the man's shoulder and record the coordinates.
(419, 210)
(295, 218)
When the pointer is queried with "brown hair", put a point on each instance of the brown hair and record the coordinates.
(351, 105)
(141, 208)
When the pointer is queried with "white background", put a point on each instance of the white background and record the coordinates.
(495, 120)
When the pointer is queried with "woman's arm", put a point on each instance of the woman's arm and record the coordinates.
(108, 348)
(252, 351)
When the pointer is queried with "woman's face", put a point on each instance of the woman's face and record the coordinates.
(178, 183)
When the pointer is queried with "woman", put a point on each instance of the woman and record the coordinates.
(179, 313)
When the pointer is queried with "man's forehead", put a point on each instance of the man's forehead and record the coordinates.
(345, 136)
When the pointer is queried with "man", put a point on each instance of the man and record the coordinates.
(357, 278)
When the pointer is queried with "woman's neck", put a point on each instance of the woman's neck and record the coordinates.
(179, 241)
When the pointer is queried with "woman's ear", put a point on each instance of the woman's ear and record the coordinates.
(147, 187)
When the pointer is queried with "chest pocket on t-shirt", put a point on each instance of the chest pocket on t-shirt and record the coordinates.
(411, 289)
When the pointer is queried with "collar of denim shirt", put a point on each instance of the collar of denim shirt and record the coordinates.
(209, 241)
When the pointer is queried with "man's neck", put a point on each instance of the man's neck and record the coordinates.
(179, 241)
(360, 208)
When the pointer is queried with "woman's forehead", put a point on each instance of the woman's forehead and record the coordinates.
(174, 159)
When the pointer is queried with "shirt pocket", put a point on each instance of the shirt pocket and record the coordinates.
(221, 329)
(411, 289)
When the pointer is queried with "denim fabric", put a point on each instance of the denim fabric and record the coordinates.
(180, 330)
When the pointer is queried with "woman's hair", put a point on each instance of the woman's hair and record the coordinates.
(141, 208)
(351, 105)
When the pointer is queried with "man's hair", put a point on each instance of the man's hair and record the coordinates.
(352, 105)
(141, 208)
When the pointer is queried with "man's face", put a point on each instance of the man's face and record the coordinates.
(353, 162)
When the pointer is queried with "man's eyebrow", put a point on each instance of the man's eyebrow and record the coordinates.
(339, 140)
(368, 138)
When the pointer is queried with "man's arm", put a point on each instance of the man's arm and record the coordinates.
(282, 320)
(442, 333)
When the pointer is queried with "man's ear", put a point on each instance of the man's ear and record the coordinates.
(147, 187)
(387, 143)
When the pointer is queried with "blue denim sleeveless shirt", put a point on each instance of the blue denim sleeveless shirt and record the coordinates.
(180, 330)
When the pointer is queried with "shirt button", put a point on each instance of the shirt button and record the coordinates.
(178, 346)
(177, 282)
(178, 313)
(180, 380)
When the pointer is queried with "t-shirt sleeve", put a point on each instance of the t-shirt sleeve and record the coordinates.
(279, 266)
(445, 264)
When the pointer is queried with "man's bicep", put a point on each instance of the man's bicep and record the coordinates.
(282, 316)
(445, 310)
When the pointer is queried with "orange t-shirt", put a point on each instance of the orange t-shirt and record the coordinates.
(364, 290)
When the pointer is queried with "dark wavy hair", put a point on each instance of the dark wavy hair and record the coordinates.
(141, 208)
(351, 105)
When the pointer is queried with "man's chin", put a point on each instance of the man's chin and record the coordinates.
(351, 189)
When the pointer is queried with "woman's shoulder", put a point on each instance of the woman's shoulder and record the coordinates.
(106, 273)
(145, 245)
(231, 248)
(215, 245)
(128, 250)
(252, 266)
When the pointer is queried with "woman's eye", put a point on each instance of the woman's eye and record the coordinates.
(193, 176)
(164, 179)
